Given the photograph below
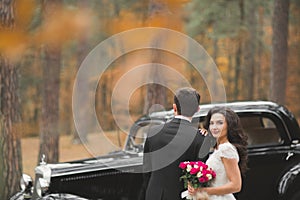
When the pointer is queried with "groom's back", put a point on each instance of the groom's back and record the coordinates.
(176, 141)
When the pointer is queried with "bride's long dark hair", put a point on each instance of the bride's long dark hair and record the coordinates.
(235, 133)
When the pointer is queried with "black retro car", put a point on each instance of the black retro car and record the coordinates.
(274, 160)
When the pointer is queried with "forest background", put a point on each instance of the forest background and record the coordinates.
(43, 43)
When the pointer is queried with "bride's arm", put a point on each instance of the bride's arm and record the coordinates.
(234, 176)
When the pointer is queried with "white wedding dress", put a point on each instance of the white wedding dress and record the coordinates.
(226, 150)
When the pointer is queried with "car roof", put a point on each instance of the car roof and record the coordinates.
(240, 106)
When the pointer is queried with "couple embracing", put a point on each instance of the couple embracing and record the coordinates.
(178, 140)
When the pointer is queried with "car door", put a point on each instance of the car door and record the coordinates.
(267, 153)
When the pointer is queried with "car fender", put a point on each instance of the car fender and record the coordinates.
(64, 196)
(288, 178)
(18, 196)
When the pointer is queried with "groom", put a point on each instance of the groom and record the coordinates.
(169, 144)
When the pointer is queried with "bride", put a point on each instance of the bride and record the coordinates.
(229, 158)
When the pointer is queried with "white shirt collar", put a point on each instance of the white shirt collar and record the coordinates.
(183, 117)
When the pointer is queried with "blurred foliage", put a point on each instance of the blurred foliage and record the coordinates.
(217, 25)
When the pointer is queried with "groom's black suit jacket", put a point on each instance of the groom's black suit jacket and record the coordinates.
(165, 147)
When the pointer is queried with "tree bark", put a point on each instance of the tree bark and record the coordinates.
(10, 120)
(280, 51)
(213, 82)
(155, 93)
(239, 54)
(249, 54)
(259, 69)
(10, 132)
(81, 136)
(49, 136)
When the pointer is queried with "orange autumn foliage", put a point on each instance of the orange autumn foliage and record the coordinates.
(24, 12)
(60, 27)
(125, 21)
(12, 43)
(166, 14)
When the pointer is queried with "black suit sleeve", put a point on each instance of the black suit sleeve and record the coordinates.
(146, 170)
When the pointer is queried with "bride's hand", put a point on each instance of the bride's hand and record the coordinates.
(191, 190)
(203, 131)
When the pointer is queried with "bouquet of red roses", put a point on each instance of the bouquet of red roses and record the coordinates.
(197, 174)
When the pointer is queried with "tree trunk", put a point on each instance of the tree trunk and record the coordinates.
(280, 51)
(49, 136)
(250, 49)
(239, 54)
(10, 120)
(81, 136)
(213, 82)
(259, 69)
(155, 93)
(10, 145)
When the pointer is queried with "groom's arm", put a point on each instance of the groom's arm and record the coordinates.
(146, 170)
(146, 177)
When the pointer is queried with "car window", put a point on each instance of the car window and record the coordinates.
(260, 130)
(141, 134)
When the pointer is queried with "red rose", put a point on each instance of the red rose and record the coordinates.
(194, 170)
(201, 179)
(183, 165)
(192, 163)
(213, 174)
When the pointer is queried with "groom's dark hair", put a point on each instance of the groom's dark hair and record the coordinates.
(187, 101)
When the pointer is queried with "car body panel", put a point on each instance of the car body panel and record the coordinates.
(273, 151)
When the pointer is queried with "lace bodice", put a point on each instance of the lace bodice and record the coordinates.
(225, 150)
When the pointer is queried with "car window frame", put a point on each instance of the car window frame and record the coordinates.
(136, 126)
(277, 120)
(274, 117)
